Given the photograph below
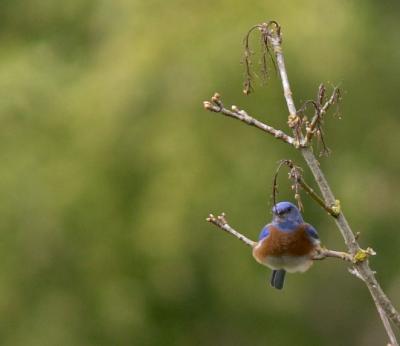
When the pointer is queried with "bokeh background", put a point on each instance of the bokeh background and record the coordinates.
(110, 166)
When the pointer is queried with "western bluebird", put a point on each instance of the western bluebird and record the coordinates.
(286, 244)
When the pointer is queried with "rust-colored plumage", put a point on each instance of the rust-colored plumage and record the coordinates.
(279, 243)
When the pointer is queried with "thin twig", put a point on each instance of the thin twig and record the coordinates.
(323, 253)
(321, 110)
(298, 180)
(294, 174)
(247, 85)
(216, 106)
(220, 221)
(264, 28)
(333, 211)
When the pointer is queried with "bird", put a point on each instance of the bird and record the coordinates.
(287, 244)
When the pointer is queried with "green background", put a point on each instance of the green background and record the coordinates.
(110, 166)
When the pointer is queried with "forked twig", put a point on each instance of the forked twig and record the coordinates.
(296, 176)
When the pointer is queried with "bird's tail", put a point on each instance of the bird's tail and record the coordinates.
(278, 278)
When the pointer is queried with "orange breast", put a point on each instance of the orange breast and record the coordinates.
(279, 243)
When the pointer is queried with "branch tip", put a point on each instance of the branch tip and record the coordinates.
(216, 99)
(221, 222)
(207, 105)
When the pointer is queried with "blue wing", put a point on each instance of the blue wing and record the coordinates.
(264, 232)
(312, 232)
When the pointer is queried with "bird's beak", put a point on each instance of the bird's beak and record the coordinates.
(279, 215)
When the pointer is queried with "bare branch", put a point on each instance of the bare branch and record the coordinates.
(247, 85)
(220, 221)
(386, 324)
(265, 29)
(320, 111)
(379, 297)
(321, 253)
(216, 106)
(271, 35)
(297, 177)
(294, 175)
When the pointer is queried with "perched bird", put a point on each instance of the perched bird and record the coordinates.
(286, 244)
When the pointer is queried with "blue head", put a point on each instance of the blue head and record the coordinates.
(286, 213)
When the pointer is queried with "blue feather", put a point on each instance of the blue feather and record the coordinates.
(312, 232)
(264, 233)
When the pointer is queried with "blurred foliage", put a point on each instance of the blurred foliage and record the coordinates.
(110, 166)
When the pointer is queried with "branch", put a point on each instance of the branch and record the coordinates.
(325, 253)
(386, 324)
(297, 177)
(272, 39)
(382, 302)
(216, 106)
(321, 110)
(322, 253)
(220, 221)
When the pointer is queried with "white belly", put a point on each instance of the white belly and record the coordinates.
(290, 263)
